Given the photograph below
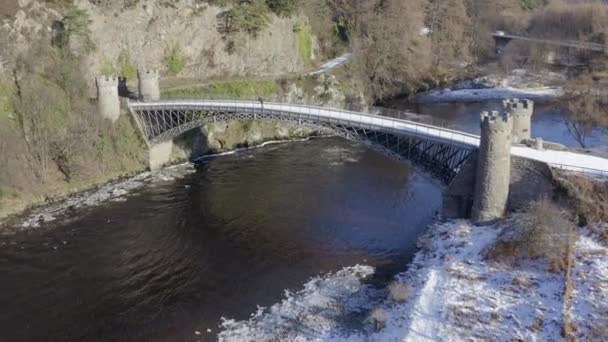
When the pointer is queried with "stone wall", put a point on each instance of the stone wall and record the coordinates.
(458, 197)
(531, 180)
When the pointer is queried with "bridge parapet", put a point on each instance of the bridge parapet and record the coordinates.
(108, 103)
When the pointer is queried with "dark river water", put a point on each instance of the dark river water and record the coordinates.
(176, 257)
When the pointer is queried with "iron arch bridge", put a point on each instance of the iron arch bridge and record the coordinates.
(439, 151)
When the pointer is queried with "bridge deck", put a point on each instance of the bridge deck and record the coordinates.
(560, 159)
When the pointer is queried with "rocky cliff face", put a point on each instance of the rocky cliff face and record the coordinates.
(147, 28)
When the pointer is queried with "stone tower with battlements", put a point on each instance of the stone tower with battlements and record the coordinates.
(521, 111)
(493, 167)
(149, 89)
(108, 103)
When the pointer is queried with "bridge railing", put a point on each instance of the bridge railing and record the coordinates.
(398, 122)
(347, 105)
(414, 117)
(336, 117)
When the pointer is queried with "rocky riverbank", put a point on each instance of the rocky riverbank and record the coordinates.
(211, 139)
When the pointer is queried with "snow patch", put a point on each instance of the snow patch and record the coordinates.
(310, 314)
(519, 83)
(475, 95)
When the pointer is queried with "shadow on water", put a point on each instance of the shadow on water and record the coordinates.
(175, 257)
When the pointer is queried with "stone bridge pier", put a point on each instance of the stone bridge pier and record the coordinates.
(160, 154)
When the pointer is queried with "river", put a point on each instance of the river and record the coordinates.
(175, 257)
(172, 258)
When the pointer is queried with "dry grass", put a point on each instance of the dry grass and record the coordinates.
(398, 292)
(600, 332)
(587, 21)
(522, 281)
(542, 230)
(378, 318)
(588, 197)
(461, 273)
(538, 323)
(569, 327)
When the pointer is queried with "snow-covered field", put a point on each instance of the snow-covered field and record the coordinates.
(589, 310)
(455, 294)
(458, 295)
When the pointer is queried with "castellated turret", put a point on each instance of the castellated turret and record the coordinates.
(493, 167)
(521, 111)
(108, 103)
(149, 89)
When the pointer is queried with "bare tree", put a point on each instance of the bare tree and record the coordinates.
(586, 107)
(40, 111)
(579, 131)
(450, 31)
(391, 54)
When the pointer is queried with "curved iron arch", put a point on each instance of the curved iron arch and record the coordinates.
(441, 160)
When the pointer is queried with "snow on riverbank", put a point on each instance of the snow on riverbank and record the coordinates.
(589, 309)
(455, 294)
(111, 192)
(475, 95)
(519, 83)
(310, 314)
(458, 295)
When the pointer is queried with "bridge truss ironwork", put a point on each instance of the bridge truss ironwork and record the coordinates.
(440, 159)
